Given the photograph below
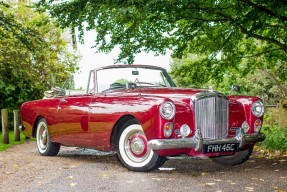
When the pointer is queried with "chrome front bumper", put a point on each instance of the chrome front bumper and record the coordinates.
(196, 142)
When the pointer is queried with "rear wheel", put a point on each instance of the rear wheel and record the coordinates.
(44, 144)
(133, 151)
(236, 159)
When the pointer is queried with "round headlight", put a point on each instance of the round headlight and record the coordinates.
(257, 108)
(167, 110)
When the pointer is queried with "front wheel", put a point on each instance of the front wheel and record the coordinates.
(44, 144)
(236, 159)
(133, 151)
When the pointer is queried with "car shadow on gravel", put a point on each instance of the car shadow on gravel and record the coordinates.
(184, 165)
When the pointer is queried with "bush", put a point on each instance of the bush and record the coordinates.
(276, 138)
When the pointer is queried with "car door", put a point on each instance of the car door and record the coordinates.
(73, 120)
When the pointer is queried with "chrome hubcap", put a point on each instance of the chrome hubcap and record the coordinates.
(137, 146)
(44, 137)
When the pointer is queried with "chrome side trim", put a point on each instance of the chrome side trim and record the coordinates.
(196, 142)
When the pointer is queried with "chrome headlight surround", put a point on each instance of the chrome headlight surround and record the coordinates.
(257, 108)
(167, 110)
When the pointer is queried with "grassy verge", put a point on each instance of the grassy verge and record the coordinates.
(11, 141)
(276, 137)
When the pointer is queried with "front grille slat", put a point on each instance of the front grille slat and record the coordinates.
(211, 116)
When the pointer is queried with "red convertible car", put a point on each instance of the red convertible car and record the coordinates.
(138, 112)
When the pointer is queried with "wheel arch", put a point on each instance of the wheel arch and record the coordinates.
(117, 127)
(34, 129)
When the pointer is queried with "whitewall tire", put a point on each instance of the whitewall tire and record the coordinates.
(133, 151)
(44, 144)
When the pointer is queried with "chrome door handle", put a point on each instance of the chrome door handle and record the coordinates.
(63, 100)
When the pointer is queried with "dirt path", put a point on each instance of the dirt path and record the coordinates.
(74, 169)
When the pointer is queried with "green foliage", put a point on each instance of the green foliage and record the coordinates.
(26, 71)
(220, 42)
(11, 141)
(271, 116)
(203, 27)
(261, 77)
(276, 138)
(11, 26)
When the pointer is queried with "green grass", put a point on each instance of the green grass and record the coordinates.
(11, 141)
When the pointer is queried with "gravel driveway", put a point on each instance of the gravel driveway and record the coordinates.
(76, 169)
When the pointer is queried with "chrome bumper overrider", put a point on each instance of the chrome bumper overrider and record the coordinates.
(196, 142)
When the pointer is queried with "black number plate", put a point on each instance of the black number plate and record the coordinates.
(215, 148)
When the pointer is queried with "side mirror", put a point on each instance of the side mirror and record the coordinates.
(235, 88)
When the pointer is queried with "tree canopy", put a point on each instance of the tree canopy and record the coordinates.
(209, 27)
(32, 49)
(222, 41)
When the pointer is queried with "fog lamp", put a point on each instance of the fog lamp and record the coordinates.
(167, 129)
(185, 130)
(245, 127)
(257, 125)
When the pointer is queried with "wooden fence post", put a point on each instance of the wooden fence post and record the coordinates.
(5, 128)
(283, 113)
(16, 125)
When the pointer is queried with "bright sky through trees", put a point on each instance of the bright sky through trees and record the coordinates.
(91, 59)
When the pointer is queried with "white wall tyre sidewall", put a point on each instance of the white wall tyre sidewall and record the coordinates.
(123, 151)
(42, 125)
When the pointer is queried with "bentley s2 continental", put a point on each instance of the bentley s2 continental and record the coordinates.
(138, 112)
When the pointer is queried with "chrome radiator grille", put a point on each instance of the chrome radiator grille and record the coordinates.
(211, 116)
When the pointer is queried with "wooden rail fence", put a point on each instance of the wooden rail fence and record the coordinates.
(5, 125)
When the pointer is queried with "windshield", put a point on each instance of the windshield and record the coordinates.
(113, 78)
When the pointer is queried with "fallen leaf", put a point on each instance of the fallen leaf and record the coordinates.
(249, 188)
(73, 184)
(103, 175)
(204, 173)
(217, 180)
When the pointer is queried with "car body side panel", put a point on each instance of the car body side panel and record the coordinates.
(73, 121)
(240, 111)
(46, 108)
(106, 110)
